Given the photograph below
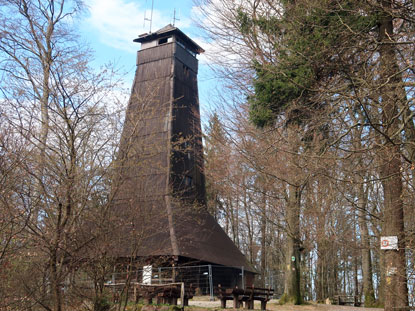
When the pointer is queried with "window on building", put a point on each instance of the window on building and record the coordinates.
(188, 181)
(186, 70)
(165, 40)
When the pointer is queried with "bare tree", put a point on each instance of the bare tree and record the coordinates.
(362, 66)
(66, 114)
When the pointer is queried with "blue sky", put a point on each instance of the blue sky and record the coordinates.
(111, 25)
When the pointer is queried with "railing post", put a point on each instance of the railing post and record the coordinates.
(182, 295)
(160, 281)
(243, 277)
(210, 283)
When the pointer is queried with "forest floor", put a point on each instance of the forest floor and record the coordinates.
(274, 306)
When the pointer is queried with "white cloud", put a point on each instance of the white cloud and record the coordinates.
(118, 22)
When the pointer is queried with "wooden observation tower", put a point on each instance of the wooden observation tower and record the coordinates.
(161, 189)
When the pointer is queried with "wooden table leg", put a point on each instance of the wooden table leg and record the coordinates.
(148, 300)
(223, 303)
(235, 301)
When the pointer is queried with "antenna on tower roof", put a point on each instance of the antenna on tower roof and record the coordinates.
(174, 17)
(151, 15)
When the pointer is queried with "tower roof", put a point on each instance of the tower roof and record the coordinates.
(170, 30)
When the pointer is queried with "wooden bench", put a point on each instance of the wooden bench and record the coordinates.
(248, 295)
(225, 294)
(260, 294)
(349, 300)
(165, 293)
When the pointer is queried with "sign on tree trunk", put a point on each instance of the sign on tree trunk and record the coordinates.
(389, 242)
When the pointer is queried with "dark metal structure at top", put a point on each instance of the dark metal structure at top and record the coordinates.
(160, 166)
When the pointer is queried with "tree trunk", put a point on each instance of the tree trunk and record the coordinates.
(355, 277)
(54, 264)
(321, 274)
(396, 290)
(382, 277)
(359, 185)
(368, 292)
(323, 270)
(263, 239)
(292, 288)
(292, 256)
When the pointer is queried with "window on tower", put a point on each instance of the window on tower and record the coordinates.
(186, 70)
(162, 41)
(165, 40)
(188, 181)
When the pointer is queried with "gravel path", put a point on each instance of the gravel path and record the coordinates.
(274, 306)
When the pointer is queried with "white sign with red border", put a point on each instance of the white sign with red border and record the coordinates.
(389, 242)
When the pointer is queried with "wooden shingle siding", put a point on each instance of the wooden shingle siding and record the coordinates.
(155, 53)
(161, 197)
(186, 58)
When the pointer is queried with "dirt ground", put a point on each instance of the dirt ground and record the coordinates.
(274, 306)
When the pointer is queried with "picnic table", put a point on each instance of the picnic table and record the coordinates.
(350, 300)
(247, 295)
(162, 293)
(165, 293)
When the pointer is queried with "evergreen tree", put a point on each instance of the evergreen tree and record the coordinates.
(322, 53)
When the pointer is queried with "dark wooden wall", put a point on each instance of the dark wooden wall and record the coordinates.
(160, 196)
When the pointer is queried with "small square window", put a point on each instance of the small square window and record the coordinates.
(163, 40)
(188, 181)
